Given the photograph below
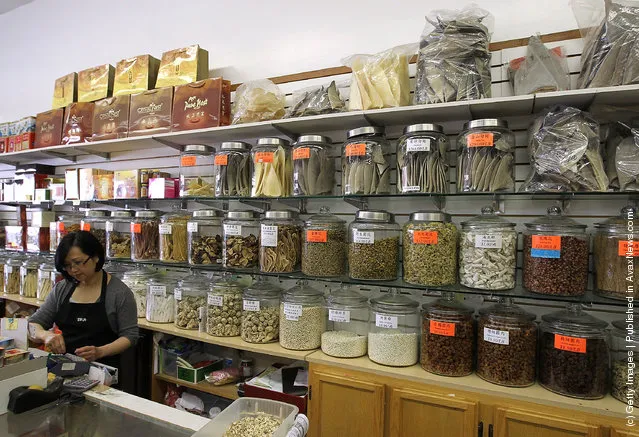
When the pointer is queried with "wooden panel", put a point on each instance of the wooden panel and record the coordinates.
(516, 423)
(623, 432)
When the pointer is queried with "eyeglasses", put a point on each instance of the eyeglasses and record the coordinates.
(76, 264)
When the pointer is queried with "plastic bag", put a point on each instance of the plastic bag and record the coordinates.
(565, 154)
(622, 155)
(611, 42)
(453, 62)
(541, 70)
(224, 376)
(315, 101)
(258, 100)
(380, 80)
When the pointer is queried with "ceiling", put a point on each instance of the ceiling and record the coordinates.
(9, 5)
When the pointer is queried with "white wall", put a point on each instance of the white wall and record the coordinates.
(246, 39)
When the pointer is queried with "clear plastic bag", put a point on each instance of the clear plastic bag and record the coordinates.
(541, 70)
(453, 62)
(258, 100)
(325, 99)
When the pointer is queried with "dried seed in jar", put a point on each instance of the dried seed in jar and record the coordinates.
(393, 348)
(447, 347)
(430, 253)
(374, 261)
(301, 326)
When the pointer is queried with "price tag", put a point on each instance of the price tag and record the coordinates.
(233, 229)
(265, 157)
(215, 300)
(339, 315)
(268, 236)
(546, 246)
(136, 228)
(316, 236)
(8, 269)
(410, 188)
(109, 226)
(362, 237)
(292, 311)
(628, 249)
(570, 344)
(496, 336)
(158, 290)
(442, 328)
(165, 229)
(11, 324)
(188, 161)
(191, 226)
(418, 145)
(488, 241)
(85, 226)
(221, 160)
(425, 237)
(301, 153)
(61, 226)
(356, 149)
(23, 271)
(385, 321)
(484, 139)
(251, 305)
(178, 294)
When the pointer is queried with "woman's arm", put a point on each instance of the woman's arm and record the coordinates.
(55, 342)
(93, 353)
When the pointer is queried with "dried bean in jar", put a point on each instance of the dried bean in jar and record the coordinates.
(393, 348)
(447, 347)
(301, 326)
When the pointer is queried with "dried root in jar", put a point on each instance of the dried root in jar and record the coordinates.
(146, 242)
(12, 284)
(29, 286)
(174, 244)
(45, 286)
(198, 187)
(286, 256)
(488, 268)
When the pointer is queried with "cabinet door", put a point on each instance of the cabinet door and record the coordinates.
(623, 432)
(416, 413)
(343, 406)
(516, 423)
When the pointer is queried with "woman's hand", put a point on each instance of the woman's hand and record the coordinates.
(89, 353)
(55, 343)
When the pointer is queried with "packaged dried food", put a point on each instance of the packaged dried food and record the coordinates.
(95, 83)
(366, 161)
(118, 234)
(49, 128)
(78, 123)
(173, 237)
(29, 278)
(624, 342)
(65, 91)
(258, 100)
(373, 246)
(183, 65)
(135, 74)
(261, 312)
(280, 242)
(145, 236)
(15, 238)
(47, 278)
(205, 237)
(224, 314)
(241, 239)
(347, 327)
(38, 239)
(111, 118)
(224, 376)
(315, 101)
(197, 177)
(94, 221)
(190, 301)
(150, 112)
(622, 155)
(202, 104)
(422, 162)
(12, 277)
(232, 169)
(324, 245)
(95, 184)
(272, 168)
(313, 166)
(302, 317)
(542, 70)
(160, 303)
(137, 280)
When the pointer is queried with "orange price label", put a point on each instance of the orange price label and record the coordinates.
(546, 242)
(570, 344)
(85, 226)
(188, 161)
(625, 249)
(136, 228)
(442, 328)
(301, 153)
(222, 160)
(61, 226)
(424, 237)
(317, 236)
(264, 157)
(356, 149)
(484, 139)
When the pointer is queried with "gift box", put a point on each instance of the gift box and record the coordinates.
(48, 130)
(182, 66)
(202, 104)
(164, 188)
(65, 91)
(136, 74)
(95, 83)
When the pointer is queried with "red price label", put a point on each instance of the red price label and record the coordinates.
(570, 344)
(136, 228)
(317, 236)
(86, 226)
(357, 149)
(261, 157)
(188, 161)
(222, 160)
(546, 242)
(61, 226)
(301, 153)
(484, 139)
(424, 237)
(626, 249)
(442, 328)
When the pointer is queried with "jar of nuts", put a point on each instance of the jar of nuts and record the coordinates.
(302, 317)
(280, 242)
(173, 237)
(556, 255)
(29, 277)
(67, 222)
(324, 245)
(145, 238)
(118, 234)
(346, 333)
(205, 237)
(94, 221)
(241, 232)
(197, 177)
(190, 301)
(373, 246)
(224, 313)
(12, 274)
(622, 346)
(232, 169)
(261, 312)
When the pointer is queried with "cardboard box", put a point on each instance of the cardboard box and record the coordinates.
(202, 104)
(11, 143)
(58, 191)
(151, 112)
(164, 188)
(49, 128)
(65, 91)
(198, 374)
(111, 118)
(3, 144)
(78, 122)
(136, 74)
(72, 183)
(126, 184)
(27, 141)
(182, 66)
(95, 83)
(96, 184)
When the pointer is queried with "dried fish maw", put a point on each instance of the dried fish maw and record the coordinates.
(383, 185)
(379, 78)
(258, 178)
(272, 184)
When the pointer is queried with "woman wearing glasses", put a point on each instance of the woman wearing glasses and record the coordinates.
(95, 311)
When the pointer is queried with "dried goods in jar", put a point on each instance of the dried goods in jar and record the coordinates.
(241, 251)
(119, 245)
(29, 285)
(160, 305)
(45, 285)
(280, 250)
(301, 326)
(326, 256)
(272, 168)
(625, 385)
(173, 238)
(261, 326)
(11, 280)
(187, 311)
(447, 347)
(145, 241)
(393, 348)
(344, 344)
(430, 251)
(313, 166)
(365, 167)
(422, 162)
(205, 250)
(233, 169)
(374, 261)
(224, 315)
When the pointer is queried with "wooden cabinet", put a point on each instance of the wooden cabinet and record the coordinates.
(623, 432)
(511, 422)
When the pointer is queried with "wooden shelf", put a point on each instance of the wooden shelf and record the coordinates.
(17, 298)
(228, 391)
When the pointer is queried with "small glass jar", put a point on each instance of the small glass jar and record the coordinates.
(94, 221)
(160, 303)
(366, 162)
(12, 275)
(233, 169)
(346, 333)
(430, 249)
(224, 314)
(324, 245)
(29, 278)
(67, 222)
(373, 246)
(556, 255)
(623, 346)
(47, 278)
(573, 354)
(313, 166)
(261, 312)
(118, 234)
(422, 160)
(190, 301)
(486, 157)
(145, 236)
(241, 233)
(197, 177)
(488, 252)
(205, 237)
(302, 318)
(507, 345)
(280, 242)
(137, 280)
(393, 337)
(272, 168)
(174, 241)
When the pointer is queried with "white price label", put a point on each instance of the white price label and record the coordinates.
(165, 229)
(292, 311)
(364, 237)
(158, 290)
(215, 300)
(339, 315)
(488, 241)
(109, 226)
(418, 145)
(251, 305)
(191, 226)
(53, 277)
(496, 336)
(8, 269)
(178, 294)
(268, 236)
(23, 271)
(385, 321)
(410, 188)
(233, 229)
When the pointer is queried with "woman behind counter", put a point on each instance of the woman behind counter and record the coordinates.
(95, 311)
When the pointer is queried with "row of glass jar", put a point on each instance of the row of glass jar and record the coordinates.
(28, 276)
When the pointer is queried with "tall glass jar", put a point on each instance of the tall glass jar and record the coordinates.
(313, 166)
(145, 236)
(67, 222)
(261, 312)
(430, 249)
(174, 241)
(232, 169)
(624, 344)
(12, 275)
(197, 177)
(137, 280)
(272, 168)
(324, 245)
(302, 317)
(346, 333)
(117, 269)
(573, 353)
(366, 162)
(190, 301)
(486, 157)
(373, 246)
(488, 252)
(556, 255)
(422, 161)
(29, 277)
(224, 315)
(53, 236)
(118, 234)
(3, 259)
(393, 337)
(160, 303)
(205, 237)
(241, 233)
(94, 221)
(280, 242)
(47, 278)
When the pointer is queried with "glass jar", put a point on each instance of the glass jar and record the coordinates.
(280, 242)
(366, 162)
(118, 234)
(272, 168)
(324, 245)
(137, 280)
(556, 255)
(609, 257)
(373, 246)
(346, 333)
(160, 303)
(624, 344)
(174, 241)
(302, 318)
(29, 278)
(488, 252)
(261, 312)
(38, 239)
(224, 314)
(232, 169)
(205, 237)
(241, 232)
(422, 160)
(67, 222)
(12, 275)
(197, 176)
(47, 278)
(117, 269)
(53, 236)
(507, 345)
(573, 353)
(190, 301)
(3, 260)
(15, 238)
(94, 221)
(313, 166)
(145, 236)
(393, 337)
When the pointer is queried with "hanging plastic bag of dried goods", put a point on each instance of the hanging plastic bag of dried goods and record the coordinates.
(325, 99)
(611, 42)
(541, 70)
(565, 154)
(258, 100)
(380, 80)
(453, 62)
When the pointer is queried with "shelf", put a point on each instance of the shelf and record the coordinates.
(25, 300)
(228, 391)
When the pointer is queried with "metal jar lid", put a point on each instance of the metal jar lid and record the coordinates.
(378, 216)
(486, 122)
(148, 213)
(423, 127)
(366, 130)
(235, 145)
(282, 214)
(198, 148)
(96, 213)
(206, 213)
(272, 141)
(122, 213)
(313, 139)
(430, 216)
(242, 214)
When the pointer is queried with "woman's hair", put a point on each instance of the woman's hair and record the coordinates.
(83, 240)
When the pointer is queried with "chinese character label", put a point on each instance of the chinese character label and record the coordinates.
(361, 237)
(496, 336)
(488, 241)
(292, 311)
(546, 246)
(339, 315)
(385, 321)
(418, 145)
(442, 328)
(251, 305)
(233, 229)
(215, 300)
(570, 344)
(268, 236)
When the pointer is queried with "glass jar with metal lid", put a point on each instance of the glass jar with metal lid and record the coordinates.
(302, 317)
(486, 157)
(241, 232)
(422, 160)
(623, 345)
(174, 241)
(366, 162)
(53, 236)
(48, 276)
(94, 221)
(145, 236)
(160, 303)
(205, 237)
(232, 169)
(430, 249)
(393, 337)
(137, 280)
(261, 312)
(29, 277)
(313, 166)
(190, 301)
(346, 333)
(280, 242)
(3, 259)
(224, 314)
(67, 222)
(507, 345)
(556, 255)
(12, 274)
(373, 246)
(573, 353)
(272, 168)
(197, 177)
(488, 252)
(117, 269)
(324, 245)
(118, 234)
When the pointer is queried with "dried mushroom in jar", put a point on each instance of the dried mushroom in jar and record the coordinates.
(280, 242)
(224, 314)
